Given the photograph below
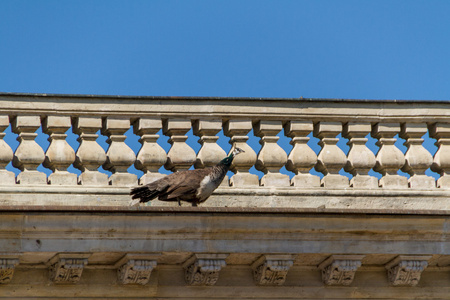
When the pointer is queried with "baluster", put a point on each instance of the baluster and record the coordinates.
(180, 156)
(331, 158)
(237, 130)
(271, 158)
(210, 153)
(6, 155)
(441, 161)
(119, 156)
(360, 159)
(59, 155)
(151, 156)
(302, 158)
(417, 158)
(389, 158)
(29, 155)
(89, 156)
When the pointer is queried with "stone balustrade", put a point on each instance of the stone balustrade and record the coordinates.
(339, 199)
(324, 164)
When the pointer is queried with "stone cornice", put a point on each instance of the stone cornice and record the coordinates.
(226, 232)
(115, 251)
(49, 209)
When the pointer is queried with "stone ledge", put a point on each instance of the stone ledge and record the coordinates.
(221, 210)
(261, 197)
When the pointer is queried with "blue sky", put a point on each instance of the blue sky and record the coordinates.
(334, 49)
(320, 49)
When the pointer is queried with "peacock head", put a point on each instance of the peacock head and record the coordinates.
(229, 159)
(237, 151)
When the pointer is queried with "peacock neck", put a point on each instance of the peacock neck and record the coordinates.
(227, 160)
(219, 171)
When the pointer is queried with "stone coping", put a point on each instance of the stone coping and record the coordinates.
(227, 108)
(306, 99)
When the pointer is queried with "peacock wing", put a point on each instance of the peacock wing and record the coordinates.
(179, 193)
(184, 185)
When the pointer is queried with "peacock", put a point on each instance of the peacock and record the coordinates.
(193, 186)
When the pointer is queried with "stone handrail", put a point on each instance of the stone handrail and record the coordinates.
(327, 119)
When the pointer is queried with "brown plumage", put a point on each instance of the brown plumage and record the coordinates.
(193, 186)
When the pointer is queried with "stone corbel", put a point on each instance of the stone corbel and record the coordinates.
(135, 268)
(203, 269)
(67, 268)
(406, 270)
(340, 269)
(272, 269)
(7, 266)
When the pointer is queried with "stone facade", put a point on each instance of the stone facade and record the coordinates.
(320, 234)
(113, 252)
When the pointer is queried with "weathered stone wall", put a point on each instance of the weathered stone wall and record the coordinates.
(371, 233)
(207, 253)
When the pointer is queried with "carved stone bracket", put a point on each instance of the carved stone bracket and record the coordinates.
(7, 266)
(272, 269)
(135, 269)
(203, 269)
(67, 268)
(340, 269)
(406, 270)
